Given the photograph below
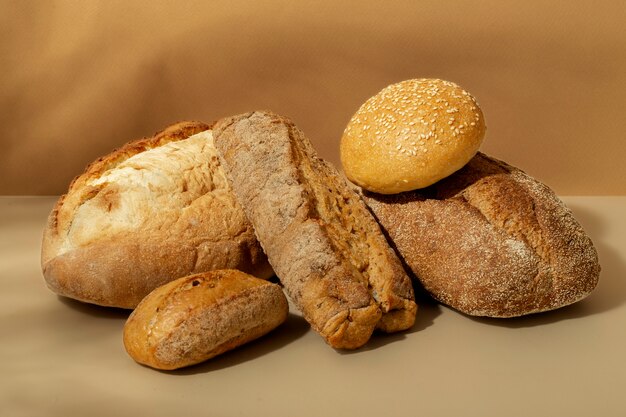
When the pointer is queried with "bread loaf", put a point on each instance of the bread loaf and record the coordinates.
(152, 211)
(490, 241)
(321, 240)
(410, 135)
(195, 318)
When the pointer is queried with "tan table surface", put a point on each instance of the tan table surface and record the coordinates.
(63, 358)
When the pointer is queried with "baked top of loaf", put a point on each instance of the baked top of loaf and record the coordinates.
(410, 135)
(491, 241)
(155, 209)
(321, 240)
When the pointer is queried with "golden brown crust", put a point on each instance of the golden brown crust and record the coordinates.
(323, 243)
(172, 133)
(410, 135)
(110, 240)
(195, 318)
(491, 241)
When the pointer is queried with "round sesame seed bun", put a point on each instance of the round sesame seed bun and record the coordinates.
(410, 135)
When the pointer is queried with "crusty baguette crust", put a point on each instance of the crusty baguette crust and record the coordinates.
(119, 269)
(195, 318)
(491, 241)
(320, 238)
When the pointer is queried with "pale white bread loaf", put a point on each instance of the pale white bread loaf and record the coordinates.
(152, 211)
(491, 241)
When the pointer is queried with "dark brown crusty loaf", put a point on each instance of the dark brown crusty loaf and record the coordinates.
(152, 211)
(491, 241)
(195, 318)
(319, 236)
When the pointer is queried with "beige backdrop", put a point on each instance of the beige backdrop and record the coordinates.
(80, 78)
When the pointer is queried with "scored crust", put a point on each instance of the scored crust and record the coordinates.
(151, 211)
(490, 241)
(321, 240)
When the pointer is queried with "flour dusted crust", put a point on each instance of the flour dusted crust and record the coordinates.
(195, 318)
(152, 211)
(321, 240)
(491, 241)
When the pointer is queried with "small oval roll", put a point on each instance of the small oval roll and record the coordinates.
(197, 317)
(410, 135)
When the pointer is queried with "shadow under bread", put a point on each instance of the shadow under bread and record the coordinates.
(94, 309)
